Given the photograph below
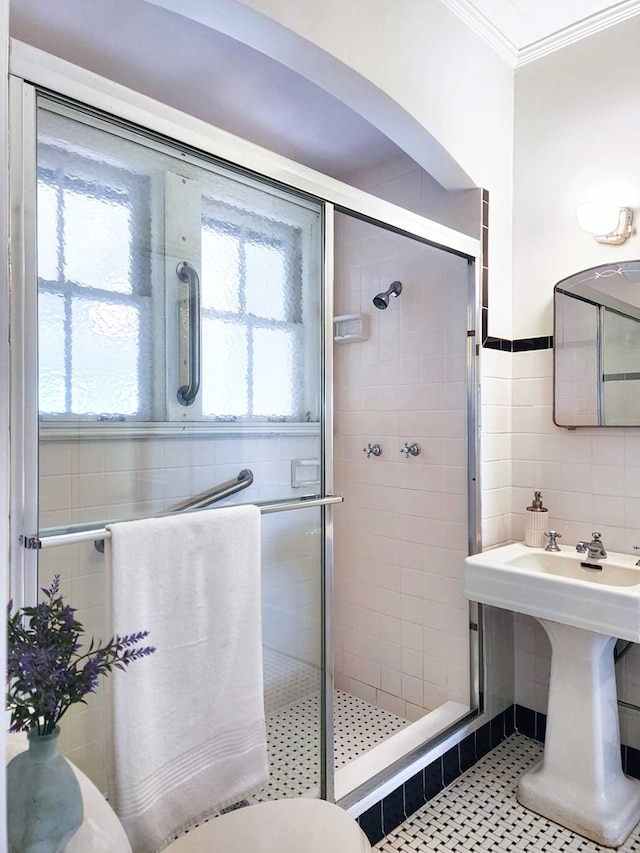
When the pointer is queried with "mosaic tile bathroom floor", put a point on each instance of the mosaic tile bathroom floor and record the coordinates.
(479, 812)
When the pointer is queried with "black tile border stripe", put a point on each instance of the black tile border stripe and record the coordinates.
(542, 342)
(383, 817)
(518, 345)
(533, 724)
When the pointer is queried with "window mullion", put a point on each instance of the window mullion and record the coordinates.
(67, 330)
(246, 319)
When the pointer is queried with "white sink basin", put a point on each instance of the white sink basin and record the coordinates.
(559, 586)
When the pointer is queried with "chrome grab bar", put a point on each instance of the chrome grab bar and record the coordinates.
(188, 393)
(217, 493)
(50, 540)
(203, 499)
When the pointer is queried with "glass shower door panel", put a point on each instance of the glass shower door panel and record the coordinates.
(291, 613)
(119, 217)
(123, 327)
(401, 627)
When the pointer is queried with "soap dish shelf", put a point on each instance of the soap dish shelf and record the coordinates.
(349, 328)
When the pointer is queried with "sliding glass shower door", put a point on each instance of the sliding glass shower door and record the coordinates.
(179, 364)
(172, 348)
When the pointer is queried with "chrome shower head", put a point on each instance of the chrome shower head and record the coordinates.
(381, 300)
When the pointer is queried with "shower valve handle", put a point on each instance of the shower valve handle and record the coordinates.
(411, 449)
(372, 450)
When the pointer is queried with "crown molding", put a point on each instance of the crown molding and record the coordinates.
(582, 29)
(484, 28)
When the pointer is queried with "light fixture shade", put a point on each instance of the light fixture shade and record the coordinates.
(607, 223)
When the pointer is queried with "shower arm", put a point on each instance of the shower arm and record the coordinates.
(188, 393)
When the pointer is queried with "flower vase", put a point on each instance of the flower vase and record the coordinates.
(44, 802)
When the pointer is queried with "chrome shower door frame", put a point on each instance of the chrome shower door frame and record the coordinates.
(31, 69)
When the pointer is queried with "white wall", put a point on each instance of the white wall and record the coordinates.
(577, 138)
(442, 74)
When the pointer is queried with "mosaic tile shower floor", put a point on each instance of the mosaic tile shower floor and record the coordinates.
(479, 812)
(292, 698)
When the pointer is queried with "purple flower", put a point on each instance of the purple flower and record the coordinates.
(46, 671)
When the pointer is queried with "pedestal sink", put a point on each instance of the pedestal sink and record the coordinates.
(583, 605)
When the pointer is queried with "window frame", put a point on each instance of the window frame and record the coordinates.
(295, 213)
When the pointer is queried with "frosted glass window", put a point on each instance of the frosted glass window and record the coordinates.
(115, 215)
(257, 261)
(109, 383)
(267, 281)
(97, 241)
(51, 313)
(94, 279)
(273, 373)
(220, 270)
(225, 358)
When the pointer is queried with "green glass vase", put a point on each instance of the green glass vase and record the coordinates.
(44, 802)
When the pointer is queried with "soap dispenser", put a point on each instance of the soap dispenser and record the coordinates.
(537, 522)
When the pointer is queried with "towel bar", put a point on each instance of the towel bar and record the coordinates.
(51, 540)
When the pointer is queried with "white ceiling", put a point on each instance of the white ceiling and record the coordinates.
(524, 22)
(524, 30)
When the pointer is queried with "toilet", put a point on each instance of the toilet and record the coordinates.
(278, 826)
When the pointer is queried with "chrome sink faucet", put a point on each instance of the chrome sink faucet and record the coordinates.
(594, 549)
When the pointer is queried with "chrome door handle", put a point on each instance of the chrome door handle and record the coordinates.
(188, 393)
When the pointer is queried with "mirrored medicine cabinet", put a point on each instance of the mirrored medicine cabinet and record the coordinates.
(597, 347)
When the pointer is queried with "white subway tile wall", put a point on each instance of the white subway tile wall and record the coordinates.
(496, 446)
(100, 480)
(401, 621)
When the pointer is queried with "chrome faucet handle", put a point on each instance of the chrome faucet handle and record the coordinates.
(411, 449)
(594, 549)
(552, 536)
(372, 450)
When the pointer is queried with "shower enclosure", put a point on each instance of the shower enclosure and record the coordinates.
(173, 347)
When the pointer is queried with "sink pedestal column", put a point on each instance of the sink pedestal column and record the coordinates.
(579, 782)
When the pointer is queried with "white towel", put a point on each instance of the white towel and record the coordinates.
(188, 721)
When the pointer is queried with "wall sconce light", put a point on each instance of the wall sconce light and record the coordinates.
(607, 223)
